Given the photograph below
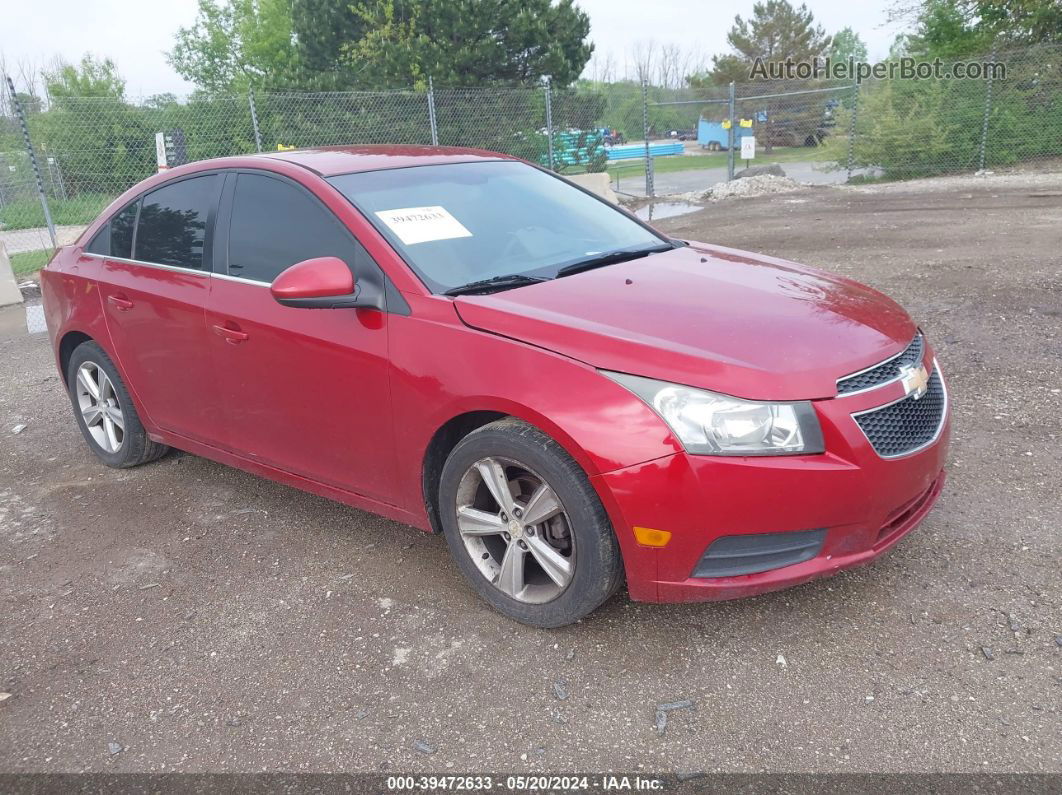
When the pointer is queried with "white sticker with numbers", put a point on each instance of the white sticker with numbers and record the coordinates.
(422, 224)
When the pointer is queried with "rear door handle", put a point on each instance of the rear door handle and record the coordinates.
(121, 303)
(231, 335)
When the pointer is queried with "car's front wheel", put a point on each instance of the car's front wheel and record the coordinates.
(104, 410)
(525, 526)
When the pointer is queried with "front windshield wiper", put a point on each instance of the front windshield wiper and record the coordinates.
(495, 283)
(611, 258)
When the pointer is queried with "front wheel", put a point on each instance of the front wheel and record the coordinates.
(525, 526)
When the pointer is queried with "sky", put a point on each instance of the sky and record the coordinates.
(137, 33)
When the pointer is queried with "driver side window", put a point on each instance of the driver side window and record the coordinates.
(275, 224)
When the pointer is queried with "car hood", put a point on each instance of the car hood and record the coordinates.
(706, 316)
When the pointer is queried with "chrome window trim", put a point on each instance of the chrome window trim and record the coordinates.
(882, 363)
(176, 268)
(920, 448)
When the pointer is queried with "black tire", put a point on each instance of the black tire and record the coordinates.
(598, 566)
(135, 448)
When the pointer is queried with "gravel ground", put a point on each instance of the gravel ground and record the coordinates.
(184, 616)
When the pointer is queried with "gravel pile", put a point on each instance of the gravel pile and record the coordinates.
(760, 185)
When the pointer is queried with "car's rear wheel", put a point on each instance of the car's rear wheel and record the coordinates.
(105, 412)
(525, 526)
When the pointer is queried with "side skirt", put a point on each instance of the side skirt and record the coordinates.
(353, 499)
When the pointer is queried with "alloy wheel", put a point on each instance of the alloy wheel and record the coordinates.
(516, 530)
(99, 406)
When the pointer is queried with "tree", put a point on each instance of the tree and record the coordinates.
(959, 28)
(847, 44)
(321, 30)
(775, 32)
(100, 143)
(236, 44)
(89, 78)
(348, 44)
(468, 42)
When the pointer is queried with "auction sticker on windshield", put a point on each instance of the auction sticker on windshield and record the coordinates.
(422, 224)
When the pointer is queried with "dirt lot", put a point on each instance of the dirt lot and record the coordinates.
(185, 616)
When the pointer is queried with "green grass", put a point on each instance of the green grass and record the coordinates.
(29, 262)
(28, 214)
(832, 150)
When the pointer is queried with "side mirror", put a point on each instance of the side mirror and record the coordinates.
(319, 283)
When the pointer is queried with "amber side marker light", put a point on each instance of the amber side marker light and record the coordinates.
(648, 537)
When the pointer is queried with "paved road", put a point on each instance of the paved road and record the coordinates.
(17, 241)
(202, 619)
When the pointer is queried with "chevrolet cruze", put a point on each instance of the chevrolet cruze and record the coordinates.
(466, 343)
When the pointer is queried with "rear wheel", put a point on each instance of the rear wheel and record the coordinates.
(525, 526)
(105, 412)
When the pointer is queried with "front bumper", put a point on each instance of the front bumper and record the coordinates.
(865, 504)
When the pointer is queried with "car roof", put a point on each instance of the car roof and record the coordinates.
(332, 160)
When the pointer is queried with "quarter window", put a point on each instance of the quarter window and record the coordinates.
(275, 224)
(115, 238)
(173, 221)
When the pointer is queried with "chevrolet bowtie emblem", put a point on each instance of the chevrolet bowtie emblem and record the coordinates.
(915, 380)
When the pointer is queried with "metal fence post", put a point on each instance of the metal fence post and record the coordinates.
(988, 111)
(649, 187)
(852, 130)
(33, 159)
(254, 120)
(731, 137)
(431, 113)
(549, 120)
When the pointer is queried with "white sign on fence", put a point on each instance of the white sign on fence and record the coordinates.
(160, 151)
(748, 147)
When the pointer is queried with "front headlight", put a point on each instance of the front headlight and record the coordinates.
(711, 424)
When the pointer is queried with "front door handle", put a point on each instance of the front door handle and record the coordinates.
(122, 303)
(231, 335)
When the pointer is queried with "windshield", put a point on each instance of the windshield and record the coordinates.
(462, 223)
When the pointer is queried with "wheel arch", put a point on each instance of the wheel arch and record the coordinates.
(448, 434)
(67, 345)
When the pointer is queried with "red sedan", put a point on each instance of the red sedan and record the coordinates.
(471, 345)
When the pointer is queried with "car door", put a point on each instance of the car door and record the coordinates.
(154, 283)
(304, 390)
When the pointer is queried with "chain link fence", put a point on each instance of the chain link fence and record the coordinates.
(65, 158)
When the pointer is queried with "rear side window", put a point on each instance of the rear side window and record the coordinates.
(115, 238)
(275, 224)
(173, 221)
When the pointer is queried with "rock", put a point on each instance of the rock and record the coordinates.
(684, 704)
(781, 661)
(663, 709)
(987, 652)
(689, 775)
(773, 169)
(1058, 640)
(423, 747)
(661, 722)
(115, 748)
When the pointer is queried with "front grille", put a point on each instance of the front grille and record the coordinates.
(888, 370)
(906, 425)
